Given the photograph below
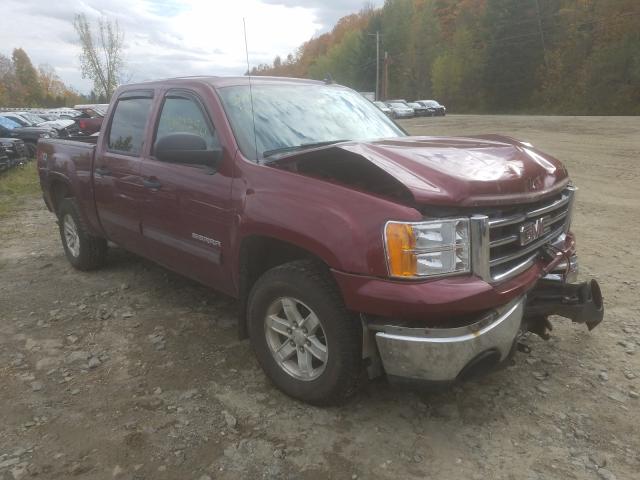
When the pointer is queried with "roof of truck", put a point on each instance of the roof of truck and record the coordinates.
(218, 82)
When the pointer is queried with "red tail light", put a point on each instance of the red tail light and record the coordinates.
(82, 124)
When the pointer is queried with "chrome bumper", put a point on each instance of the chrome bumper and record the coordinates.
(443, 355)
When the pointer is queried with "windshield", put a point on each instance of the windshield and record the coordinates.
(432, 103)
(32, 117)
(397, 105)
(22, 122)
(293, 115)
(8, 123)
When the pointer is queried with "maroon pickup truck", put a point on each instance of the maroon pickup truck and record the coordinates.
(354, 249)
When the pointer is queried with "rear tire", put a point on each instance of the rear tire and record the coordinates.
(83, 250)
(321, 368)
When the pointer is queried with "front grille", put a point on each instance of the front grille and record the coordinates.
(21, 149)
(511, 250)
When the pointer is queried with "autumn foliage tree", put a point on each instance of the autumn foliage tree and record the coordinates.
(552, 56)
(22, 85)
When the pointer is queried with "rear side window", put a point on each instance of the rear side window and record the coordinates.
(127, 127)
(184, 115)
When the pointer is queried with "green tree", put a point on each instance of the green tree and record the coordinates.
(102, 57)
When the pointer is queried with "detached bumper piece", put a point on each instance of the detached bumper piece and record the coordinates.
(438, 357)
(580, 302)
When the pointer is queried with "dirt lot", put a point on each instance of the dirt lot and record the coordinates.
(133, 372)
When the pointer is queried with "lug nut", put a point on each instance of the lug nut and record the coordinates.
(308, 342)
(304, 330)
(289, 331)
(302, 349)
(293, 344)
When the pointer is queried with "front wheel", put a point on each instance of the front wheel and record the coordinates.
(306, 341)
(83, 250)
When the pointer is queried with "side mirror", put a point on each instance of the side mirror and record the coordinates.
(186, 148)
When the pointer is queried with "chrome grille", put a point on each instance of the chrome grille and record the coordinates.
(502, 248)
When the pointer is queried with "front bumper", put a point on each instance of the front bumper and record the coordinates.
(444, 355)
(441, 356)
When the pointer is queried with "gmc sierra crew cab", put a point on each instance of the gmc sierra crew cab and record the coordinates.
(355, 249)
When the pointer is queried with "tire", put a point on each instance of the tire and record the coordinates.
(83, 250)
(330, 382)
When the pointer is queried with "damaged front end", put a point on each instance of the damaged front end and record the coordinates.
(436, 357)
(582, 303)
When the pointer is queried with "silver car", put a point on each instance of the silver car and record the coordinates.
(401, 110)
(383, 108)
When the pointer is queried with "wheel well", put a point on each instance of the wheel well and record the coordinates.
(257, 255)
(59, 191)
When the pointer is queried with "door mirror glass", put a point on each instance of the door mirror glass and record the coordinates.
(187, 148)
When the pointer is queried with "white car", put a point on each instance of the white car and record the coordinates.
(383, 107)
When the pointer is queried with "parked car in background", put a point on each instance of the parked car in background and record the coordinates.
(420, 110)
(89, 119)
(400, 109)
(64, 128)
(383, 108)
(435, 109)
(30, 135)
(64, 112)
(4, 160)
(15, 149)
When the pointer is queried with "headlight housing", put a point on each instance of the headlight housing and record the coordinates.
(427, 249)
(44, 135)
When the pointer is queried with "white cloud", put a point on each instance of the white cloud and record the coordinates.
(166, 37)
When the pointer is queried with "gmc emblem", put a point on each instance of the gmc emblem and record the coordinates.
(532, 230)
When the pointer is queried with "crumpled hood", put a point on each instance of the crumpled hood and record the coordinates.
(465, 171)
(57, 124)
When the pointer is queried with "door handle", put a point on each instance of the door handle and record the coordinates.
(151, 183)
(103, 172)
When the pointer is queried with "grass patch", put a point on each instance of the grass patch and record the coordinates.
(17, 186)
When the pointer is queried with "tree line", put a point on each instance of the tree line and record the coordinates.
(22, 85)
(502, 56)
(101, 61)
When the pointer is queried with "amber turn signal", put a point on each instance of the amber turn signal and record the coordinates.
(400, 245)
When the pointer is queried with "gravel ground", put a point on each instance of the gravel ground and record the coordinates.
(133, 372)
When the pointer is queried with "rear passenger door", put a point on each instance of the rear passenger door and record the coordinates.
(116, 174)
(186, 212)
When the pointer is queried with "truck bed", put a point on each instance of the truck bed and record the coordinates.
(68, 164)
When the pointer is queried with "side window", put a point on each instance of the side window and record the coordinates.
(127, 127)
(184, 115)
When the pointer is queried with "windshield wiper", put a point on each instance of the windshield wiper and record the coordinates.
(268, 153)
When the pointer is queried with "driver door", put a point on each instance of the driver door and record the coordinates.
(186, 209)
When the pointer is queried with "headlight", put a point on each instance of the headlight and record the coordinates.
(423, 249)
(7, 144)
(44, 135)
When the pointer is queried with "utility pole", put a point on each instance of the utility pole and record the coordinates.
(386, 75)
(377, 35)
(544, 47)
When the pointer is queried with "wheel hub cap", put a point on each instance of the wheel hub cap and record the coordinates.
(296, 338)
(71, 236)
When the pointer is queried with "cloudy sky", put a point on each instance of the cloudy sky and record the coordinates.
(167, 38)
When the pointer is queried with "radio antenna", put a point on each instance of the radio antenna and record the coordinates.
(253, 115)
